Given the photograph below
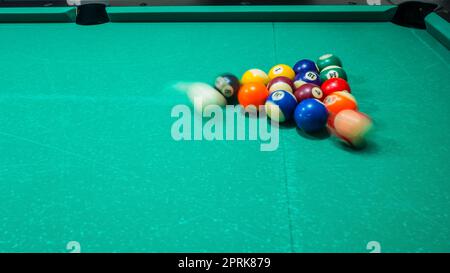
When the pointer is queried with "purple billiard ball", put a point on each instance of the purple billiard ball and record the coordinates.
(304, 66)
(281, 83)
(308, 91)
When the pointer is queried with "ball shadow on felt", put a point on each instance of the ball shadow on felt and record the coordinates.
(319, 135)
(366, 147)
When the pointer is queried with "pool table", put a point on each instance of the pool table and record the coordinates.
(88, 162)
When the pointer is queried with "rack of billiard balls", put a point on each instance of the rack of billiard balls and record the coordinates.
(316, 95)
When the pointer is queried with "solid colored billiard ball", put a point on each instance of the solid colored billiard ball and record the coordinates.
(332, 71)
(281, 70)
(305, 65)
(280, 105)
(308, 91)
(335, 85)
(252, 94)
(327, 60)
(337, 102)
(311, 115)
(281, 83)
(227, 84)
(306, 77)
(255, 75)
(352, 127)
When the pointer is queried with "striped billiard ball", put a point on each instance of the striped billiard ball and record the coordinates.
(337, 102)
(332, 71)
(281, 83)
(227, 84)
(327, 60)
(254, 75)
(280, 105)
(306, 77)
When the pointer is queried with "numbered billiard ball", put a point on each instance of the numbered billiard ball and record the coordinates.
(334, 85)
(332, 71)
(337, 102)
(227, 84)
(305, 65)
(327, 60)
(352, 127)
(311, 115)
(255, 75)
(280, 105)
(252, 94)
(306, 77)
(308, 91)
(281, 83)
(281, 70)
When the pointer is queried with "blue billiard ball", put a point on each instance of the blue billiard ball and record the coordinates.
(281, 102)
(304, 66)
(311, 115)
(306, 77)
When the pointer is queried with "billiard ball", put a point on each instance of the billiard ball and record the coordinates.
(311, 115)
(327, 60)
(332, 71)
(335, 85)
(281, 70)
(306, 77)
(202, 95)
(308, 91)
(252, 94)
(281, 83)
(227, 84)
(255, 75)
(352, 127)
(305, 65)
(280, 105)
(337, 102)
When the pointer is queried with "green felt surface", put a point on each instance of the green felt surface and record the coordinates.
(87, 155)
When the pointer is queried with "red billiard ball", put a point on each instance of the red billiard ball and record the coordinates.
(308, 91)
(334, 85)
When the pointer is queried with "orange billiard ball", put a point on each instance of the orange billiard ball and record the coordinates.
(253, 94)
(337, 102)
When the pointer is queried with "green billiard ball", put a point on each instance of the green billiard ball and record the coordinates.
(327, 60)
(332, 71)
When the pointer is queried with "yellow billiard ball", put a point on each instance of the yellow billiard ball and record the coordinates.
(281, 70)
(255, 75)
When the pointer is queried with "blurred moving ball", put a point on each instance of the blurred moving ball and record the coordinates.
(352, 127)
(202, 95)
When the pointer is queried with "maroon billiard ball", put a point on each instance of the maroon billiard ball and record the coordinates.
(308, 91)
(281, 83)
